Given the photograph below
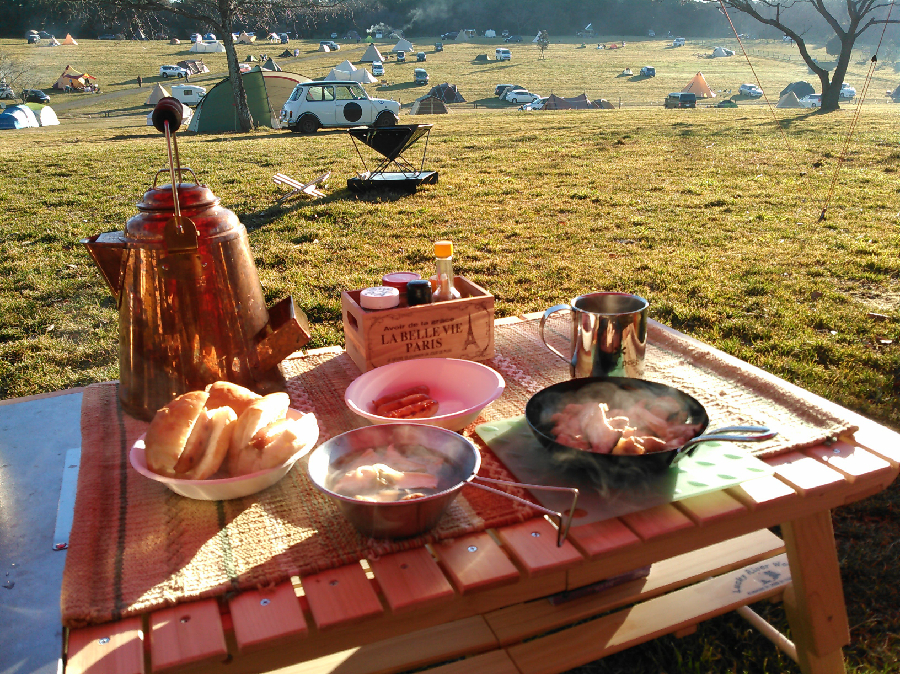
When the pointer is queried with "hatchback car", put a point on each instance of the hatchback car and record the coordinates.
(847, 92)
(313, 105)
(173, 71)
(421, 56)
(750, 90)
(811, 101)
(35, 96)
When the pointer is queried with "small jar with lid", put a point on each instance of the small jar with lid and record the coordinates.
(379, 297)
(399, 280)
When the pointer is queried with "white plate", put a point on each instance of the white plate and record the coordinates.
(214, 489)
(462, 389)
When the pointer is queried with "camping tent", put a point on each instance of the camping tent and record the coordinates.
(721, 51)
(789, 100)
(448, 93)
(54, 42)
(174, 41)
(602, 104)
(157, 93)
(537, 38)
(372, 54)
(346, 66)
(428, 105)
(799, 88)
(271, 65)
(363, 76)
(69, 40)
(490, 33)
(554, 102)
(186, 115)
(323, 47)
(18, 117)
(207, 47)
(194, 66)
(287, 53)
(369, 39)
(698, 86)
(336, 76)
(481, 58)
(461, 36)
(245, 39)
(73, 79)
(250, 57)
(403, 45)
(280, 85)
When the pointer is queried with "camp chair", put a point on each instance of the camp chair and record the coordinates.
(299, 188)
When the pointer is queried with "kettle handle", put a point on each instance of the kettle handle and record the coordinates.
(180, 170)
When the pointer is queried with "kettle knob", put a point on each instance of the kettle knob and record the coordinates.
(167, 110)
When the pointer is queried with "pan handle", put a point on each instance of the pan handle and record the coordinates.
(563, 529)
(738, 434)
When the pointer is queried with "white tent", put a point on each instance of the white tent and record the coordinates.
(206, 47)
(537, 38)
(363, 76)
(345, 65)
(186, 115)
(490, 33)
(372, 54)
(45, 115)
(324, 48)
(462, 36)
(157, 93)
(789, 100)
(337, 75)
(54, 42)
(721, 51)
(403, 45)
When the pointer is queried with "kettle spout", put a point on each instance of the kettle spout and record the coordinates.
(110, 252)
(286, 332)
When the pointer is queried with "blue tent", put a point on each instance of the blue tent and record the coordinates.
(18, 117)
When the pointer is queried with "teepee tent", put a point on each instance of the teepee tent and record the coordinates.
(157, 93)
(54, 42)
(345, 65)
(271, 65)
(537, 38)
(462, 36)
(245, 39)
(789, 100)
(372, 54)
(46, 116)
(403, 45)
(324, 48)
(336, 76)
(363, 76)
(69, 40)
(699, 87)
(428, 105)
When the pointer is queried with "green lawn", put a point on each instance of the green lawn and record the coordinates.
(712, 214)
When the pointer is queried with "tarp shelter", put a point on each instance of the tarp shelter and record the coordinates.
(403, 45)
(555, 102)
(324, 47)
(448, 93)
(799, 88)
(461, 36)
(602, 104)
(346, 66)
(789, 100)
(481, 57)
(721, 51)
(372, 54)
(271, 65)
(18, 117)
(69, 40)
(157, 93)
(428, 105)
(186, 115)
(194, 66)
(698, 86)
(207, 47)
(73, 79)
(245, 39)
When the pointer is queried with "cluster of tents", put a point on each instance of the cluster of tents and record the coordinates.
(27, 115)
(34, 37)
(435, 101)
(347, 71)
(580, 102)
(72, 79)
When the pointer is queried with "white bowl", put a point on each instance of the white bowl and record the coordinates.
(214, 489)
(461, 388)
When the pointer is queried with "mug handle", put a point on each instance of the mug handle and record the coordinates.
(555, 308)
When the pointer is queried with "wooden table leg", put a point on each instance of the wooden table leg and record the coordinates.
(815, 601)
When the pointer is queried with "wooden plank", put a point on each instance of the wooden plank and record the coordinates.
(518, 622)
(597, 539)
(496, 661)
(406, 652)
(815, 606)
(595, 639)
(805, 474)
(710, 507)
(657, 521)
(260, 617)
(852, 460)
(410, 579)
(475, 562)
(339, 596)
(108, 648)
(533, 544)
(760, 492)
(185, 634)
(880, 440)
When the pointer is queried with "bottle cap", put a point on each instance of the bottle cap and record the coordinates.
(379, 297)
(443, 249)
(399, 279)
(418, 292)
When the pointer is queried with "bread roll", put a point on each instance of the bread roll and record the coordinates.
(195, 445)
(219, 423)
(258, 415)
(170, 429)
(274, 444)
(233, 395)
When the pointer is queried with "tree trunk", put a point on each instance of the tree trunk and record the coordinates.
(242, 109)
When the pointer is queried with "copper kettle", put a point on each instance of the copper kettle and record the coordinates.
(191, 307)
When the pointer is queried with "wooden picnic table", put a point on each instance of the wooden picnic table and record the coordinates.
(482, 602)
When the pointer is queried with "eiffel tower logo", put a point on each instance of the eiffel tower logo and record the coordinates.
(470, 336)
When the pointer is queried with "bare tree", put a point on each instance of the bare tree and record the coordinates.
(543, 41)
(848, 19)
(222, 16)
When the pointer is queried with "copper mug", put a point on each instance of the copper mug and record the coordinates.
(609, 334)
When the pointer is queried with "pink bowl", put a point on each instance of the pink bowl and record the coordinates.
(461, 388)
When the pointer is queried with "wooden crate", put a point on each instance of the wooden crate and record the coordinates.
(459, 329)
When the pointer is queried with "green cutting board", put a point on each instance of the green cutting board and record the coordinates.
(713, 466)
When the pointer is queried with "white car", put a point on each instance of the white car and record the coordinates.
(847, 92)
(811, 101)
(521, 96)
(335, 104)
(678, 42)
(750, 90)
(172, 71)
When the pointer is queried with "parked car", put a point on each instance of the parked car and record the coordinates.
(7, 92)
(420, 56)
(727, 103)
(648, 71)
(438, 46)
(450, 36)
(678, 42)
(401, 57)
(284, 38)
(334, 36)
(108, 36)
(377, 68)
(521, 96)
(420, 76)
(173, 71)
(504, 33)
(196, 37)
(504, 89)
(681, 99)
(847, 92)
(750, 90)
(35, 96)
(331, 44)
(811, 101)
(312, 105)
(502, 54)
(539, 103)
(513, 38)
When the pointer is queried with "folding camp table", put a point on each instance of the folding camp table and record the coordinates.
(391, 142)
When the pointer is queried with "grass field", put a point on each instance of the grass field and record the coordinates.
(711, 214)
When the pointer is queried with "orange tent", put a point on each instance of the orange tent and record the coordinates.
(699, 87)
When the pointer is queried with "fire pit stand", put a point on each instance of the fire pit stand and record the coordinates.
(390, 143)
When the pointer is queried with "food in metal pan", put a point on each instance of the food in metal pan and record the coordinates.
(412, 403)
(226, 430)
(641, 428)
(392, 473)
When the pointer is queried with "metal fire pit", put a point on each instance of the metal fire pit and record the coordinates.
(391, 143)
